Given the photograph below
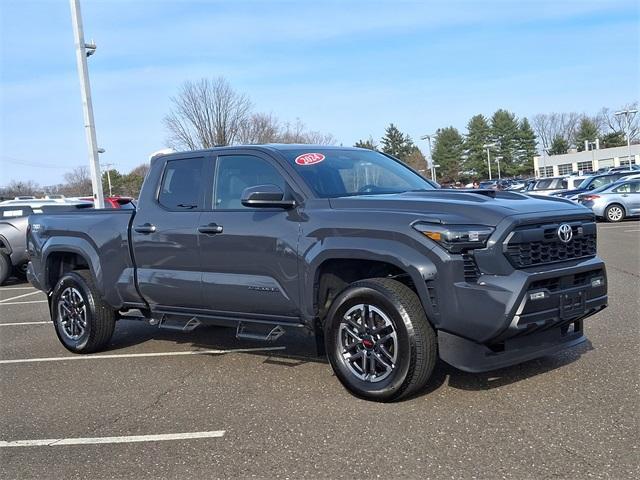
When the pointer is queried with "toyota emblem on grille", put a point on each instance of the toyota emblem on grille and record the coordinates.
(565, 234)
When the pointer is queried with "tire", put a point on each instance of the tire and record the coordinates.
(84, 323)
(5, 268)
(614, 213)
(412, 353)
(21, 271)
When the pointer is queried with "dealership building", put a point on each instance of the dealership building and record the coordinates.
(584, 162)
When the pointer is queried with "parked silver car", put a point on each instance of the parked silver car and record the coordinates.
(614, 202)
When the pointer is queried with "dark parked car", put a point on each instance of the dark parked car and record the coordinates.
(349, 245)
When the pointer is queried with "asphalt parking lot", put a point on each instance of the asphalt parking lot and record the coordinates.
(281, 413)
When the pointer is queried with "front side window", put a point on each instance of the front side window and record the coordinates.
(339, 173)
(235, 173)
(182, 184)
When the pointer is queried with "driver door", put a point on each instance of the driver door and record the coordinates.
(249, 255)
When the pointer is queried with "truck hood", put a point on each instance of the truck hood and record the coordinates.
(460, 206)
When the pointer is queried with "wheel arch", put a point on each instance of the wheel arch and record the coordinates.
(73, 254)
(332, 269)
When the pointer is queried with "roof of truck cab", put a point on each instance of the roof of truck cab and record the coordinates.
(259, 147)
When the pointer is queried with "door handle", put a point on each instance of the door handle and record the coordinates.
(145, 228)
(211, 229)
(625, 195)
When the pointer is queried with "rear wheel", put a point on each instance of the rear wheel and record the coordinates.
(84, 322)
(378, 340)
(614, 213)
(5, 267)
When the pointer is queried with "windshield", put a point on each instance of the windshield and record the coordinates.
(340, 173)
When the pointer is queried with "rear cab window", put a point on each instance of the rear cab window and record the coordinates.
(181, 187)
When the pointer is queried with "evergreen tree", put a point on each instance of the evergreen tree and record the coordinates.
(613, 139)
(587, 131)
(447, 153)
(559, 146)
(369, 143)
(397, 143)
(526, 148)
(505, 134)
(478, 135)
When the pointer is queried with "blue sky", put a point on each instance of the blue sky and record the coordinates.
(343, 67)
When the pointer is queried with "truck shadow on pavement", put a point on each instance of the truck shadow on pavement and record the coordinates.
(300, 349)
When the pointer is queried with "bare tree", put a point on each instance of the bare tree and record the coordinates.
(259, 128)
(618, 123)
(553, 125)
(77, 183)
(296, 133)
(206, 113)
(16, 188)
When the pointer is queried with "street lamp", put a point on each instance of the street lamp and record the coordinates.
(498, 162)
(430, 161)
(83, 51)
(488, 146)
(628, 116)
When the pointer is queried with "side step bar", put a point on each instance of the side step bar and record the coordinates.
(176, 323)
(270, 334)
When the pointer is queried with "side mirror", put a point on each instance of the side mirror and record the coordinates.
(591, 187)
(265, 196)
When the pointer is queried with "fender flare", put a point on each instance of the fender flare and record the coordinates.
(405, 257)
(78, 246)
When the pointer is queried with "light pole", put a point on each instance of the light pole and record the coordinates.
(108, 168)
(498, 162)
(488, 146)
(628, 116)
(430, 161)
(84, 50)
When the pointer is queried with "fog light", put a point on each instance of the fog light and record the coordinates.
(537, 296)
(597, 282)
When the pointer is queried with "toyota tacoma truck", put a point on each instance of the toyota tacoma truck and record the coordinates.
(347, 245)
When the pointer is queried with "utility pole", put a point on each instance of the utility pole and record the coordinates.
(628, 116)
(84, 50)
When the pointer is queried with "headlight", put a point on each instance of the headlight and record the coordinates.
(456, 238)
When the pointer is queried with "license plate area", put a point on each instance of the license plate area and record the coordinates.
(573, 304)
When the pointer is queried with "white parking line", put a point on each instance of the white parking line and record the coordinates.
(4, 289)
(138, 355)
(22, 303)
(55, 442)
(21, 296)
(636, 230)
(605, 227)
(23, 323)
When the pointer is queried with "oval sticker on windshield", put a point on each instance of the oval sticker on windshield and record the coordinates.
(309, 158)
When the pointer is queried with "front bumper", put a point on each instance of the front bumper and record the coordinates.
(474, 357)
(545, 315)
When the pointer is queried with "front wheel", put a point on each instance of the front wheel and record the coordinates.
(378, 340)
(84, 322)
(614, 213)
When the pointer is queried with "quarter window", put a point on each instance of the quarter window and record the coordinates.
(182, 184)
(235, 173)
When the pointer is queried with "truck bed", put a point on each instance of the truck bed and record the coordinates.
(99, 237)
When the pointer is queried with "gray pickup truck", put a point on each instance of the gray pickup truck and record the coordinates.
(349, 245)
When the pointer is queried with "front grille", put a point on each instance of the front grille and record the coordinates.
(533, 245)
